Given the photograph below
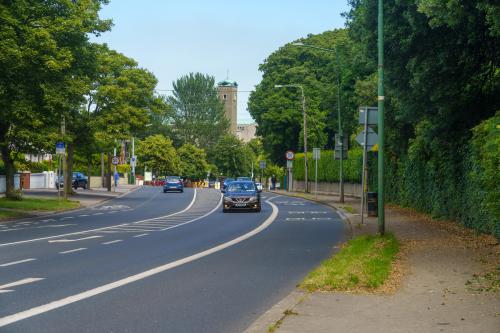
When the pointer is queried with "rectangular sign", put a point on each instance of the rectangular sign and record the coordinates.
(60, 148)
(289, 164)
(316, 154)
(345, 144)
(148, 176)
(262, 164)
(372, 115)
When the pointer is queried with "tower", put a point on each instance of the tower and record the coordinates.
(228, 93)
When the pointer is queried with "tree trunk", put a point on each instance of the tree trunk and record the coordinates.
(108, 175)
(9, 171)
(103, 182)
(89, 171)
(68, 181)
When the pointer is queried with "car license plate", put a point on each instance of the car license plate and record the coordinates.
(240, 205)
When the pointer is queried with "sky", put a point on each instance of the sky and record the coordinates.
(174, 38)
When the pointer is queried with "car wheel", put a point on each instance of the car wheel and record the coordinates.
(164, 191)
(182, 191)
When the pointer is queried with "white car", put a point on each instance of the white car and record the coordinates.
(259, 186)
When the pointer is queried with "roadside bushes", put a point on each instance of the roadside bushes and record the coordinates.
(328, 167)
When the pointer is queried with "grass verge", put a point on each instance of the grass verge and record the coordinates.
(7, 215)
(363, 263)
(38, 204)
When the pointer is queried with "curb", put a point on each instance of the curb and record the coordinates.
(49, 214)
(277, 312)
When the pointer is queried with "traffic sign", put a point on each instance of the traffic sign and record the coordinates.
(133, 160)
(262, 164)
(344, 145)
(316, 154)
(115, 160)
(371, 138)
(289, 164)
(372, 118)
(290, 155)
(60, 148)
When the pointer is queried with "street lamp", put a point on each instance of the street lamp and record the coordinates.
(341, 134)
(305, 125)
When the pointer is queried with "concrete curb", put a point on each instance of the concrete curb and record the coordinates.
(276, 312)
(50, 214)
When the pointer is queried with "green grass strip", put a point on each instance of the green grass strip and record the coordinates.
(7, 214)
(38, 204)
(364, 262)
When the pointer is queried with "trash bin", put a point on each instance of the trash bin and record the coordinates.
(372, 203)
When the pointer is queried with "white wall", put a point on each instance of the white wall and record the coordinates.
(3, 184)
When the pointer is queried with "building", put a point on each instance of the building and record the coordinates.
(228, 93)
(246, 132)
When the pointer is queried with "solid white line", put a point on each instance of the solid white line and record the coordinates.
(20, 282)
(83, 215)
(72, 240)
(112, 242)
(98, 229)
(97, 213)
(110, 286)
(16, 262)
(141, 235)
(74, 250)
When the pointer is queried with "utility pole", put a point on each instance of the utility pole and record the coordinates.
(341, 134)
(381, 216)
(134, 160)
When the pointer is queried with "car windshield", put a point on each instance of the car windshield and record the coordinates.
(245, 178)
(173, 179)
(241, 187)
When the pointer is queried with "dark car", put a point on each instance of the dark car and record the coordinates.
(78, 180)
(173, 183)
(241, 195)
(226, 183)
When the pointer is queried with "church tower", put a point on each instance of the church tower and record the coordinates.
(228, 93)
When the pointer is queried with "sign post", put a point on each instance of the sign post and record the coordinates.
(316, 157)
(115, 161)
(262, 166)
(290, 156)
(60, 151)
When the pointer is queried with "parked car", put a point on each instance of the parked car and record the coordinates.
(173, 183)
(241, 195)
(78, 180)
(226, 183)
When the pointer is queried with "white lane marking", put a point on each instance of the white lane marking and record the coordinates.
(74, 250)
(141, 235)
(19, 283)
(16, 262)
(72, 240)
(119, 283)
(67, 217)
(308, 212)
(112, 242)
(98, 229)
(308, 219)
(83, 215)
(97, 213)
(47, 220)
(39, 227)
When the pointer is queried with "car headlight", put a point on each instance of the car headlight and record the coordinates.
(227, 199)
(253, 199)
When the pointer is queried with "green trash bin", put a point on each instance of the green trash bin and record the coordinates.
(372, 203)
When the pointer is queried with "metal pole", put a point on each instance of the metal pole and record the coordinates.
(363, 182)
(305, 137)
(65, 176)
(381, 213)
(341, 134)
(114, 182)
(316, 179)
(58, 178)
(133, 164)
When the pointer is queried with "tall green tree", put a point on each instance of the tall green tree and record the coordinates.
(231, 157)
(40, 70)
(198, 116)
(158, 154)
(193, 162)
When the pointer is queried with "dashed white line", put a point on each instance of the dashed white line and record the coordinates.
(16, 262)
(83, 215)
(74, 250)
(72, 240)
(18, 283)
(141, 235)
(97, 213)
(67, 218)
(112, 242)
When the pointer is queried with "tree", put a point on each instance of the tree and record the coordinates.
(278, 112)
(193, 162)
(231, 157)
(158, 154)
(198, 116)
(40, 69)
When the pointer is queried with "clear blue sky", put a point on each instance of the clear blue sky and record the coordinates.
(173, 38)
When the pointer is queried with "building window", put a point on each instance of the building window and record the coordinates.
(225, 97)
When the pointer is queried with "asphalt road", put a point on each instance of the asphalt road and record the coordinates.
(155, 262)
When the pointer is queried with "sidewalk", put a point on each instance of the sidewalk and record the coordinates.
(438, 283)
